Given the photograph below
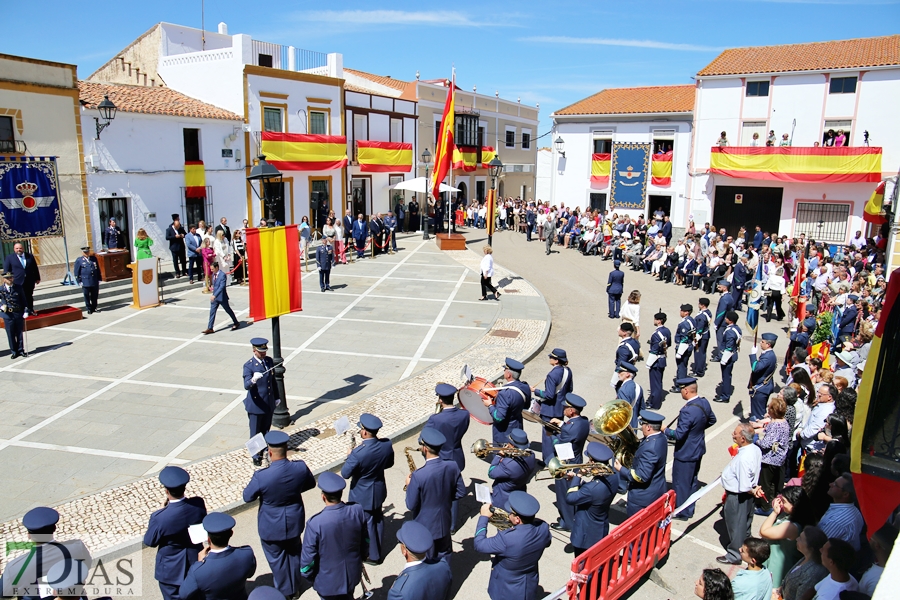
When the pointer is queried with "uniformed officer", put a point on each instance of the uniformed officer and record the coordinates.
(221, 571)
(684, 344)
(591, 500)
(431, 490)
(629, 349)
(453, 422)
(799, 339)
(168, 531)
(575, 432)
(553, 396)
(514, 396)
(656, 361)
(614, 287)
(517, 550)
(702, 323)
(731, 343)
(725, 304)
(365, 468)
(12, 309)
(694, 418)
(87, 273)
(630, 391)
(281, 517)
(511, 473)
(646, 479)
(261, 400)
(763, 367)
(335, 543)
(265, 592)
(420, 579)
(739, 279)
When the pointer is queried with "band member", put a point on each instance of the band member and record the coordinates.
(513, 397)
(656, 361)
(517, 550)
(591, 500)
(574, 432)
(420, 579)
(261, 400)
(553, 396)
(221, 570)
(629, 349)
(12, 310)
(763, 368)
(725, 305)
(694, 418)
(630, 391)
(614, 287)
(511, 473)
(731, 343)
(87, 273)
(453, 422)
(646, 479)
(684, 344)
(702, 322)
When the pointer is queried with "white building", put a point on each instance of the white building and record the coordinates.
(543, 178)
(654, 120)
(136, 168)
(803, 90)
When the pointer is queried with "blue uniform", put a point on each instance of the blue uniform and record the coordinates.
(848, 321)
(13, 317)
(659, 342)
(506, 413)
(261, 399)
(324, 260)
(632, 393)
(557, 384)
(694, 418)
(739, 278)
(627, 351)
(364, 468)
(574, 431)
(220, 298)
(701, 323)
(684, 334)
(453, 422)
(761, 382)
(333, 550)
(614, 288)
(517, 551)
(281, 517)
(221, 576)
(87, 273)
(726, 303)
(646, 479)
(168, 531)
(509, 474)
(428, 580)
(432, 488)
(731, 341)
(591, 501)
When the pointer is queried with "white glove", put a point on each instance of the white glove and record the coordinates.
(754, 350)
(3, 308)
(256, 377)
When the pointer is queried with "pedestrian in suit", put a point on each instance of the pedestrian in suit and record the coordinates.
(511, 473)
(431, 490)
(413, 210)
(360, 232)
(168, 531)
(739, 280)
(420, 579)
(549, 231)
(701, 323)
(364, 467)
(516, 551)
(530, 221)
(725, 304)
(87, 273)
(221, 571)
(193, 242)
(324, 260)
(614, 288)
(667, 230)
(218, 298)
(376, 231)
(26, 275)
(656, 361)
(281, 518)
(390, 225)
(646, 479)
(453, 422)
(506, 409)
(347, 223)
(763, 365)
(259, 381)
(574, 431)
(12, 308)
(552, 398)
(400, 213)
(847, 324)
(175, 235)
(694, 418)
(591, 500)
(684, 344)
(731, 343)
(224, 228)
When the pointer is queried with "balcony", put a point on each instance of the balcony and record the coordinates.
(800, 165)
(13, 147)
(288, 58)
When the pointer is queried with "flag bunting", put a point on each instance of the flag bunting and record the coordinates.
(304, 152)
(873, 212)
(273, 261)
(384, 157)
(443, 150)
(601, 165)
(194, 179)
(661, 169)
(802, 165)
(465, 158)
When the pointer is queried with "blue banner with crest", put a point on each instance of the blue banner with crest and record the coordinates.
(628, 184)
(29, 198)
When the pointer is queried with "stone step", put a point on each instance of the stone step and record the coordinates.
(112, 293)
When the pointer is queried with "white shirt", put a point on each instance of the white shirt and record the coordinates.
(410, 565)
(814, 424)
(487, 265)
(870, 580)
(742, 473)
(829, 589)
(631, 312)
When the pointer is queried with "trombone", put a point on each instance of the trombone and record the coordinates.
(481, 449)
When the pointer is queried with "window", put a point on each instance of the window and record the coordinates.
(748, 129)
(757, 88)
(437, 132)
(842, 85)
(318, 123)
(360, 127)
(396, 130)
(480, 137)
(663, 140)
(273, 119)
(191, 144)
(602, 145)
(526, 141)
(823, 221)
(511, 139)
(265, 60)
(7, 135)
(466, 133)
(834, 130)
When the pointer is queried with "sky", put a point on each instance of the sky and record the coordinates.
(551, 53)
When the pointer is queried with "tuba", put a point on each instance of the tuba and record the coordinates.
(481, 449)
(409, 461)
(614, 421)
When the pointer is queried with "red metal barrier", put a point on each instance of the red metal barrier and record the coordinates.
(610, 568)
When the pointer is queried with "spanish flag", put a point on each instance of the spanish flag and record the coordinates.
(802, 165)
(273, 265)
(384, 157)
(661, 169)
(874, 207)
(443, 150)
(465, 158)
(194, 179)
(487, 155)
(601, 165)
(304, 152)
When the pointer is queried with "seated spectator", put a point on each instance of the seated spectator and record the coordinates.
(842, 520)
(755, 582)
(838, 557)
(799, 582)
(882, 543)
(713, 585)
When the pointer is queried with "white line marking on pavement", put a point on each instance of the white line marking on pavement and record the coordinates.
(415, 264)
(92, 451)
(311, 350)
(698, 541)
(348, 319)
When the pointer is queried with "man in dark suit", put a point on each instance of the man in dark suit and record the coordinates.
(667, 230)
(259, 381)
(347, 223)
(847, 324)
(739, 279)
(646, 479)
(168, 531)
(360, 232)
(175, 235)
(694, 418)
(376, 231)
(453, 422)
(530, 222)
(762, 373)
(420, 579)
(224, 228)
(591, 500)
(193, 241)
(221, 571)
(87, 273)
(12, 307)
(26, 275)
(364, 467)
(615, 285)
(219, 297)
(758, 239)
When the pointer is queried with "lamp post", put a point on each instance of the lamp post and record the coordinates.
(495, 167)
(426, 160)
(107, 112)
(266, 175)
(560, 146)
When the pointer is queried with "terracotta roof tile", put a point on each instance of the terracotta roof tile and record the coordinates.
(637, 100)
(151, 101)
(817, 56)
(380, 79)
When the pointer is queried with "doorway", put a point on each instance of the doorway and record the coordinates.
(479, 190)
(598, 202)
(359, 194)
(274, 210)
(655, 202)
(116, 209)
(739, 206)
(463, 194)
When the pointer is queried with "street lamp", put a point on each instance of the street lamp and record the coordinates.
(560, 146)
(426, 160)
(107, 112)
(269, 177)
(495, 167)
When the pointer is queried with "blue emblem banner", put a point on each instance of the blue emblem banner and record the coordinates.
(29, 198)
(628, 186)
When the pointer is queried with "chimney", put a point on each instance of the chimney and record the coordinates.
(223, 28)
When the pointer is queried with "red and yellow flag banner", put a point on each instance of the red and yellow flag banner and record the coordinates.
(601, 164)
(487, 155)
(465, 158)
(304, 152)
(874, 211)
(490, 209)
(803, 165)
(661, 169)
(443, 149)
(273, 265)
(194, 179)
(384, 157)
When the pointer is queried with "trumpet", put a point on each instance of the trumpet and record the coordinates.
(409, 461)
(481, 448)
(559, 469)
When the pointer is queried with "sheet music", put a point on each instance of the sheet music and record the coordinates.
(342, 425)
(256, 444)
(482, 493)
(564, 451)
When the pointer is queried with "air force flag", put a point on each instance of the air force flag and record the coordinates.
(29, 198)
(629, 175)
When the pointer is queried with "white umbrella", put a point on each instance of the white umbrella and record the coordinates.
(421, 185)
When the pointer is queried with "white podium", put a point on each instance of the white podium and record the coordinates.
(145, 283)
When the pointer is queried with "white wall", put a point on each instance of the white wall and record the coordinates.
(213, 76)
(543, 189)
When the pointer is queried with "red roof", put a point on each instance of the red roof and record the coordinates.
(636, 100)
(151, 101)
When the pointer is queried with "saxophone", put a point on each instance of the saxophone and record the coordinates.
(409, 461)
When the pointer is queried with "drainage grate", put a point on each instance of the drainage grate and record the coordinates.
(505, 333)
(510, 291)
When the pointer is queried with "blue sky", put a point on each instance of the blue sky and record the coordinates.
(552, 53)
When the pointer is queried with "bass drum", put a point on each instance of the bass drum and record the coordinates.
(472, 398)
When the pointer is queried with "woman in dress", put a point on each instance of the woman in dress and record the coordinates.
(224, 254)
(487, 271)
(209, 255)
(305, 233)
(631, 312)
(809, 571)
(237, 240)
(328, 232)
(143, 242)
(340, 252)
(840, 139)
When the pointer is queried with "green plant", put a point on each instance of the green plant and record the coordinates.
(823, 328)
